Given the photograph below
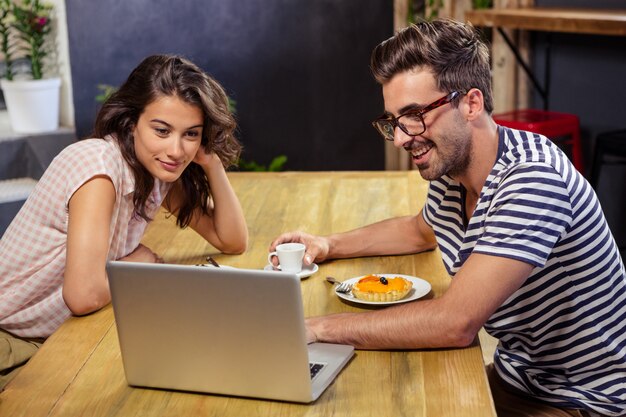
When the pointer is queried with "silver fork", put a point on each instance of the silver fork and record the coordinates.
(212, 261)
(343, 287)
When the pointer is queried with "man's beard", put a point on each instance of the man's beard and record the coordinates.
(453, 156)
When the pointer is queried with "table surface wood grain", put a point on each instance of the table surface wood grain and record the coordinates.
(79, 372)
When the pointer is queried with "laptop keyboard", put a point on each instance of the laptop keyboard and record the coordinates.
(315, 368)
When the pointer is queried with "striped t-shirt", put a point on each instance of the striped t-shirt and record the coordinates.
(563, 333)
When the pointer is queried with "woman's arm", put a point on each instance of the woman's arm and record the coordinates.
(85, 285)
(224, 226)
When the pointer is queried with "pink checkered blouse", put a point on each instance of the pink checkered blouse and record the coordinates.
(33, 248)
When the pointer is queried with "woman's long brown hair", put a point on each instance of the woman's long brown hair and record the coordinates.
(166, 75)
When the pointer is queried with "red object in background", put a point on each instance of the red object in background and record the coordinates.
(562, 128)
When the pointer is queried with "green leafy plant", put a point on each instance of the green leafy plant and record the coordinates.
(105, 92)
(429, 9)
(5, 27)
(482, 4)
(24, 29)
(232, 105)
(419, 10)
(433, 7)
(277, 164)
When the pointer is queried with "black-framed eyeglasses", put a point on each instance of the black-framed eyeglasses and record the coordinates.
(412, 121)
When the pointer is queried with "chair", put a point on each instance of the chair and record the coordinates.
(610, 149)
(607, 178)
(562, 128)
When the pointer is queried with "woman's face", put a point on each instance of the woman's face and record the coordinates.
(167, 137)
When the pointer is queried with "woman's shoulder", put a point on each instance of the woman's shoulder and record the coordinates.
(88, 152)
(89, 157)
(89, 146)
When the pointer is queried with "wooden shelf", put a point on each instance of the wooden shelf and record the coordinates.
(570, 20)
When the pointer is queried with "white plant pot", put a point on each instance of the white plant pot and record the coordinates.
(33, 105)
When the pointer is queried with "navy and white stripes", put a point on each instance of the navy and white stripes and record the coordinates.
(563, 333)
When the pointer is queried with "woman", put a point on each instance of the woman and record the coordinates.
(162, 140)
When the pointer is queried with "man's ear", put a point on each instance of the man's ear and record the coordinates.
(475, 104)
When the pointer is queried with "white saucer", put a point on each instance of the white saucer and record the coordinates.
(307, 270)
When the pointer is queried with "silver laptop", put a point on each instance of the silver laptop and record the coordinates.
(219, 330)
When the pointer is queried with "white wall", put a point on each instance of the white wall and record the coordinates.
(63, 62)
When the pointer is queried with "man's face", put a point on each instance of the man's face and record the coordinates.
(445, 147)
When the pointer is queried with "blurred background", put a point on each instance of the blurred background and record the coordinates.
(298, 74)
(298, 71)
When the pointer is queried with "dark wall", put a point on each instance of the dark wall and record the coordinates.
(587, 74)
(298, 70)
(588, 78)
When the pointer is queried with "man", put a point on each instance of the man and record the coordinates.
(519, 229)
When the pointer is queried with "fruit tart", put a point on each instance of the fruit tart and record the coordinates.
(381, 289)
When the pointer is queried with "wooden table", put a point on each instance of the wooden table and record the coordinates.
(78, 371)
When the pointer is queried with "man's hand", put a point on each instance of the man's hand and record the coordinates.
(317, 247)
(311, 337)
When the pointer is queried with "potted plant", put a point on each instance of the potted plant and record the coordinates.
(32, 100)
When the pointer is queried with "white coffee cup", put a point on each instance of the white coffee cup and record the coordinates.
(289, 255)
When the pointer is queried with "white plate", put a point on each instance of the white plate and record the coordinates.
(307, 271)
(420, 289)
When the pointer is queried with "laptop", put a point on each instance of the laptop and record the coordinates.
(222, 331)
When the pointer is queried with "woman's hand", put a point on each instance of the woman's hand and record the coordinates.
(143, 254)
(317, 247)
(224, 226)
(207, 160)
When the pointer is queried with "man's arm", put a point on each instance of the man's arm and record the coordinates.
(396, 236)
(453, 320)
